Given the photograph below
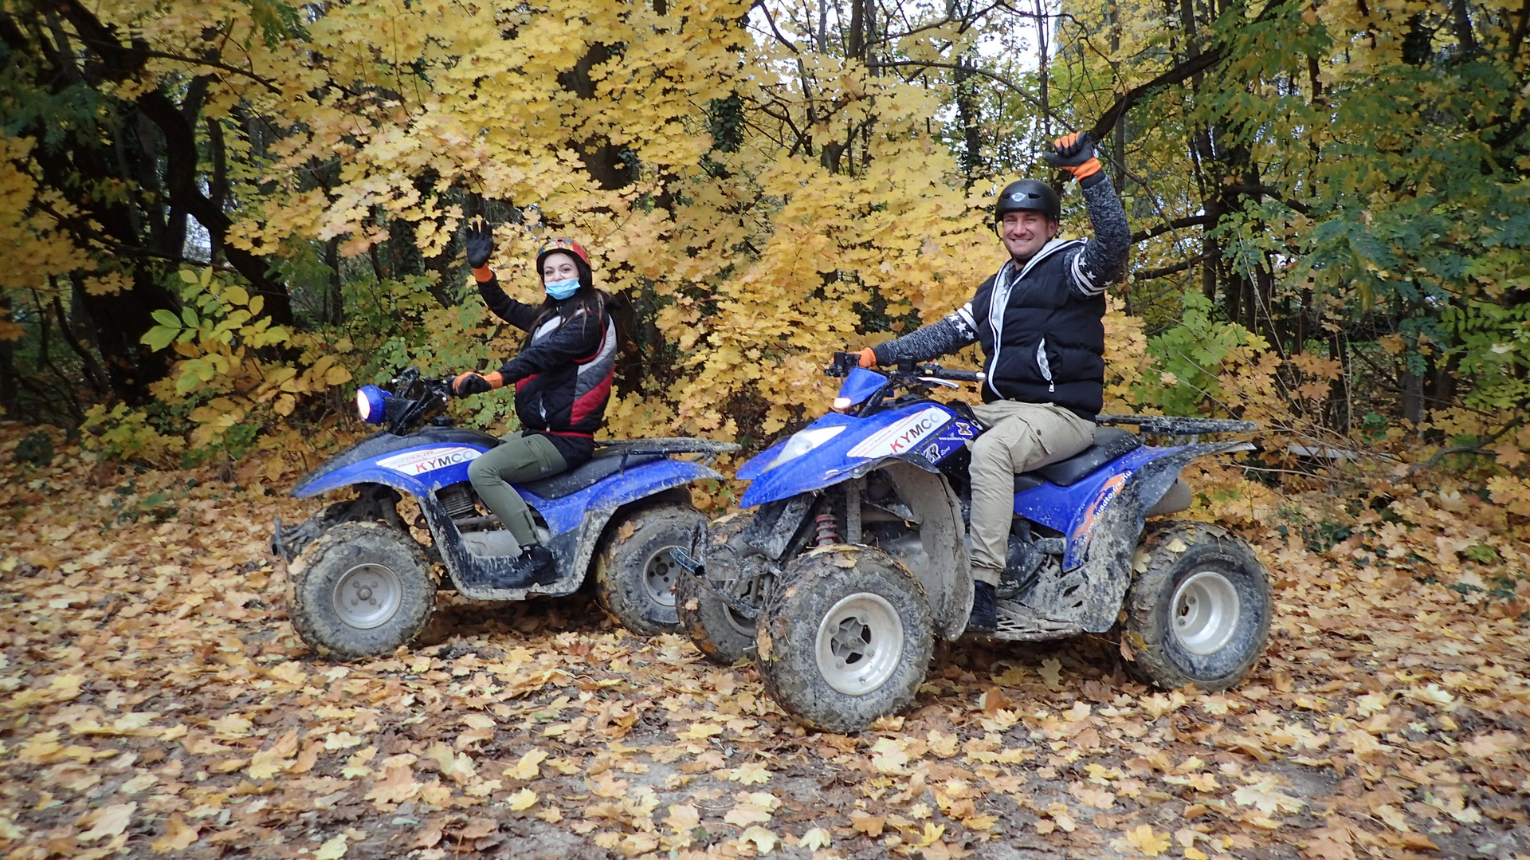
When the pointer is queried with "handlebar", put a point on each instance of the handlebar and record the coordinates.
(844, 362)
(416, 399)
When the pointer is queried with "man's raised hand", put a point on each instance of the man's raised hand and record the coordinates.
(1075, 154)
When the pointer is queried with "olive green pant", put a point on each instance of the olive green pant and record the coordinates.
(1020, 437)
(519, 457)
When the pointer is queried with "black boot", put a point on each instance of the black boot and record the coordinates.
(985, 609)
(534, 566)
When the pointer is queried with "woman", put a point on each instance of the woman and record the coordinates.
(562, 378)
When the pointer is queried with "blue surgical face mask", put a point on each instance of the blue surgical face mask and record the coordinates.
(561, 290)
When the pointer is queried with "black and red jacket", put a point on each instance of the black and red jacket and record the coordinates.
(563, 376)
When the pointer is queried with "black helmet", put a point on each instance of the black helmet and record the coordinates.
(1027, 195)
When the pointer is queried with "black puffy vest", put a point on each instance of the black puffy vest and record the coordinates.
(1048, 344)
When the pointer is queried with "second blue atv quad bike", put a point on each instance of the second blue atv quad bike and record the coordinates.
(856, 557)
(362, 584)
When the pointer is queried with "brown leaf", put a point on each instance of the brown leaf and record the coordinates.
(396, 786)
(865, 822)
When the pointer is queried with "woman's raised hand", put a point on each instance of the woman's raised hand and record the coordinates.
(480, 243)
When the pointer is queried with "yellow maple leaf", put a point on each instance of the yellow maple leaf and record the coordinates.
(108, 821)
(178, 835)
(750, 773)
(269, 762)
(1051, 672)
(682, 817)
(521, 800)
(529, 766)
(700, 731)
(815, 839)
(888, 756)
(764, 841)
(754, 807)
(1144, 840)
(457, 767)
(332, 849)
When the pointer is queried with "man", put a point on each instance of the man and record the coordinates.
(1039, 322)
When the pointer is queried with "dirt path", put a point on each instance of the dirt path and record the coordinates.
(155, 702)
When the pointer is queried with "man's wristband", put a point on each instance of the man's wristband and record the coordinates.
(1086, 170)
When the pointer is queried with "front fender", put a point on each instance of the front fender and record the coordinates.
(416, 464)
(1111, 541)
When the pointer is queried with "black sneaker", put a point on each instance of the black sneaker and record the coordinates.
(534, 566)
(985, 609)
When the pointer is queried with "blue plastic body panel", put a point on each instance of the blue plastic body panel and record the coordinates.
(414, 464)
(861, 384)
(420, 463)
(1074, 510)
(611, 493)
(922, 432)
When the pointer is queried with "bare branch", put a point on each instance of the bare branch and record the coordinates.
(1018, 90)
(1149, 274)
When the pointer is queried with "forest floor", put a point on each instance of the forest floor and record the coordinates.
(155, 702)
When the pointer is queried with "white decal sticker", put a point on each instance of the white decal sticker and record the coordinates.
(428, 460)
(902, 436)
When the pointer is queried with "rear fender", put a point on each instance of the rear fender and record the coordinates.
(1111, 539)
(575, 521)
(601, 499)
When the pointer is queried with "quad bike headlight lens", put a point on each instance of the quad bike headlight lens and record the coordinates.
(803, 442)
(371, 404)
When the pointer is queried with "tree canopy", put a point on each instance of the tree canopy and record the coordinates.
(217, 212)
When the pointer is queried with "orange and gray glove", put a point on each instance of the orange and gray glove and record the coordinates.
(480, 246)
(476, 383)
(1075, 154)
(868, 358)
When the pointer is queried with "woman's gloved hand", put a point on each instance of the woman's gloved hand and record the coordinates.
(1075, 154)
(480, 244)
(476, 383)
(868, 358)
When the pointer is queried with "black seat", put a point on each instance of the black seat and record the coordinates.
(1109, 443)
(574, 480)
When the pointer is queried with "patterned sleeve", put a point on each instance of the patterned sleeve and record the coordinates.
(1102, 260)
(518, 314)
(926, 342)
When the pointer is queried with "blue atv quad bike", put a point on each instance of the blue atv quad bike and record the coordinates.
(362, 585)
(856, 557)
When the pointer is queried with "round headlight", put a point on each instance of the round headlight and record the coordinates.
(803, 442)
(370, 402)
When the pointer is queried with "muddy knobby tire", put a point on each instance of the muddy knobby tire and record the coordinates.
(360, 590)
(1198, 611)
(635, 574)
(844, 638)
(721, 635)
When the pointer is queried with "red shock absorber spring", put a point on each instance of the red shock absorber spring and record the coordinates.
(828, 530)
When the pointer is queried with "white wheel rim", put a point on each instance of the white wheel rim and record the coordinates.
(860, 642)
(659, 577)
(368, 595)
(741, 625)
(1204, 613)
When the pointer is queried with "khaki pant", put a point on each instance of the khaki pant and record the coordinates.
(520, 457)
(1020, 437)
